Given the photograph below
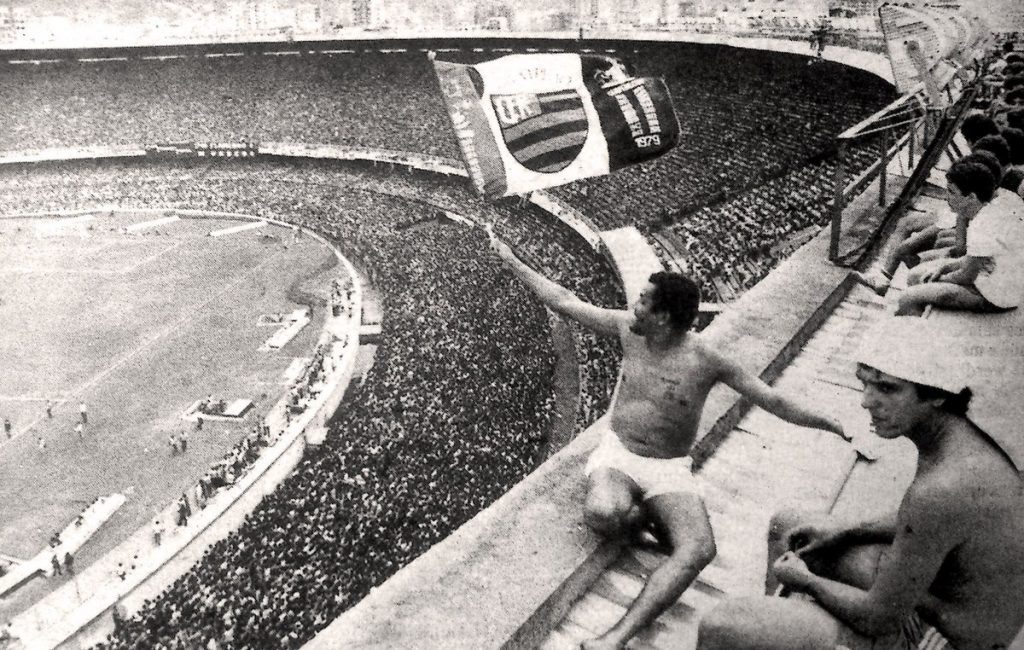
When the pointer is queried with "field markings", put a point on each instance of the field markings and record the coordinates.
(152, 223)
(123, 270)
(237, 229)
(151, 258)
(160, 334)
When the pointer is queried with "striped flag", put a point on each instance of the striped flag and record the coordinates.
(530, 121)
(543, 132)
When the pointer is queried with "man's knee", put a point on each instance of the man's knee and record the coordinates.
(608, 519)
(723, 627)
(785, 520)
(909, 304)
(701, 552)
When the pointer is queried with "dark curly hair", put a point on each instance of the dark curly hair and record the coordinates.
(677, 295)
(977, 125)
(953, 403)
(972, 178)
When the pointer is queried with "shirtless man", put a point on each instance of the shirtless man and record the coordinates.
(946, 570)
(639, 474)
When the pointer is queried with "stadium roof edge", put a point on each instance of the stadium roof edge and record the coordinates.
(871, 62)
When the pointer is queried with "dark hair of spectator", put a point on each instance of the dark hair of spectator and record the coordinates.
(989, 160)
(977, 125)
(1012, 180)
(677, 295)
(1015, 140)
(1015, 57)
(1014, 96)
(972, 177)
(1011, 83)
(1015, 118)
(953, 403)
(1007, 46)
(1013, 69)
(997, 145)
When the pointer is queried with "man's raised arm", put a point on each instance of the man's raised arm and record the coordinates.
(773, 400)
(557, 297)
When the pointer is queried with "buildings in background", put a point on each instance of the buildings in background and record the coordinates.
(26, 23)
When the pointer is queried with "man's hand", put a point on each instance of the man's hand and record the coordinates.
(809, 538)
(791, 571)
(503, 250)
(836, 427)
(933, 275)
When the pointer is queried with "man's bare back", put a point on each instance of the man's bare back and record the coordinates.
(976, 595)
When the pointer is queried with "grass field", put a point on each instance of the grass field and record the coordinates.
(139, 326)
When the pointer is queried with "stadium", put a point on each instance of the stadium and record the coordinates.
(271, 251)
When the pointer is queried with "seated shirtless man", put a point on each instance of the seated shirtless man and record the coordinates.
(639, 474)
(945, 570)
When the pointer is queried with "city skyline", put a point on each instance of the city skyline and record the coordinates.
(63, 23)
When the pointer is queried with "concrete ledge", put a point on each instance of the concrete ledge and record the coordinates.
(766, 328)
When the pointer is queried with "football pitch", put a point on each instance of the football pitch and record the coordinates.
(138, 322)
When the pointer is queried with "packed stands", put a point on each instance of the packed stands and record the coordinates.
(749, 119)
(462, 380)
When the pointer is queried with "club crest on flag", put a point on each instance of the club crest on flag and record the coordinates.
(544, 132)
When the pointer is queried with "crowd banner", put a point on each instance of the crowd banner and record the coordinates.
(532, 121)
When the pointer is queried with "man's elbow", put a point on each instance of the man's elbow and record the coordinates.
(562, 304)
(775, 404)
(880, 620)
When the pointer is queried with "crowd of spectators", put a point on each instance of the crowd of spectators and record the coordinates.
(457, 406)
(454, 411)
(747, 119)
(732, 245)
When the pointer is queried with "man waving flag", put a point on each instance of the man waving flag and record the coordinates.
(530, 121)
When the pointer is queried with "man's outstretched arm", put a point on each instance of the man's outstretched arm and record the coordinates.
(773, 400)
(557, 297)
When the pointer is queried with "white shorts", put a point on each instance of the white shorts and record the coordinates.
(654, 476)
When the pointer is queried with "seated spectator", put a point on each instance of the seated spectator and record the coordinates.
(945, 570)
(988, 277)
(924, 236)
(996, 145)
(976, 126)
(1014, 118)
(1014, 98)
(1012, 182)
(1014, 139)
(1012, 83)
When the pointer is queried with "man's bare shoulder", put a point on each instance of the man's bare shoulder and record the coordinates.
(958, 486)
(707, 352)
(934, 506)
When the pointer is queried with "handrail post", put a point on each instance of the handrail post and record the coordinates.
(837, 201)
(884, 169)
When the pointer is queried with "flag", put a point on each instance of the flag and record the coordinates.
(530, 121)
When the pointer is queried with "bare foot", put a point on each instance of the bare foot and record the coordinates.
(874, 280)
